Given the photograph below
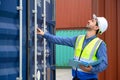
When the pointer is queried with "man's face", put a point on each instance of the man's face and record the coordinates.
(92, 24)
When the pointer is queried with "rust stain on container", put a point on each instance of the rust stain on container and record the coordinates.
(72, 13)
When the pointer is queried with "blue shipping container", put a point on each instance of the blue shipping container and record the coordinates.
(9, 40)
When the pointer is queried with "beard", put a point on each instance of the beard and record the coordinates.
(88, 27)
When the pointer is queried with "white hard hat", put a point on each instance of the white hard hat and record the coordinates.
(102, 23)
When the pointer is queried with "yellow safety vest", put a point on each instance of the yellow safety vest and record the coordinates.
(88, 54)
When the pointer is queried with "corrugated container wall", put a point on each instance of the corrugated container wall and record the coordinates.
(111, 10)
(72, 14)
(9, 40)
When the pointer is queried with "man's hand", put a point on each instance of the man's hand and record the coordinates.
(86, 69)
(39, 31)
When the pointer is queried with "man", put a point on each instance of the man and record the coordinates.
(88, 48)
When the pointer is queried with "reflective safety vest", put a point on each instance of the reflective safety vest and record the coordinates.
(88, 54)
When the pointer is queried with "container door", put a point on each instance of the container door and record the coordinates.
(10, 40)
(42, 67)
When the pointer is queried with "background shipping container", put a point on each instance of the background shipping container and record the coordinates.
(110, 9)
(72, 14)
(64, 53)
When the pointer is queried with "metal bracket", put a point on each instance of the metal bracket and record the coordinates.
(18, 78)
(34, 11)
(19, 8)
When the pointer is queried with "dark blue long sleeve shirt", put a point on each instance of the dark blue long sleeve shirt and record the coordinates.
(70, 41)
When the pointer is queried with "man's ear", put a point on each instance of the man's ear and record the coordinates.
(96, 27)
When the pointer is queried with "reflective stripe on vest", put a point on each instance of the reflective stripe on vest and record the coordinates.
(89, 52)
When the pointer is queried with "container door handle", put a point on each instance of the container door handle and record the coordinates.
(20, 41)
(35, 39)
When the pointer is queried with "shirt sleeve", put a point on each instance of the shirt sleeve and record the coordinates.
(68, 41)
(101, 55)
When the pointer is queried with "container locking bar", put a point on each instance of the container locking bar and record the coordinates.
(35, 39)
(45, 43)
(20, 37)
